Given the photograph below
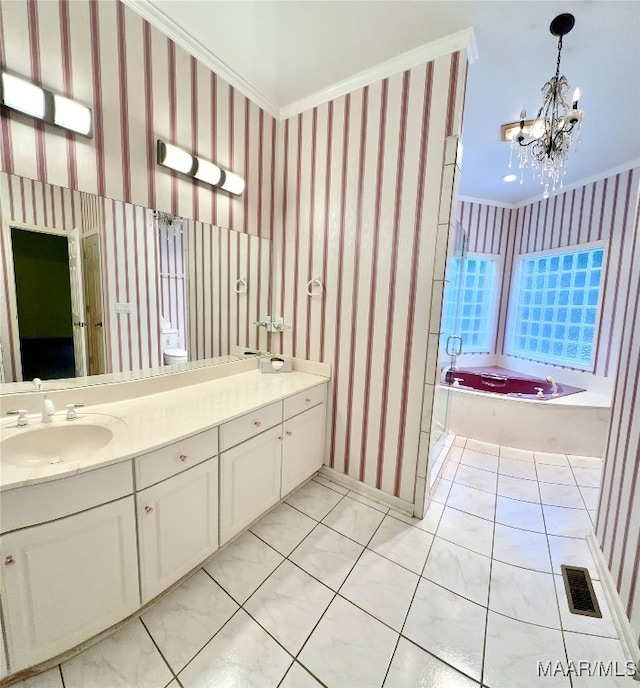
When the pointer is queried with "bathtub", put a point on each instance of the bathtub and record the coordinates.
(510, 412)
(496, 380)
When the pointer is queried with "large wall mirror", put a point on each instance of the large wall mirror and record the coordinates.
(95, 289)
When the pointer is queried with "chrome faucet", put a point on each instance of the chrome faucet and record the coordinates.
(48, 409)
(554, 386)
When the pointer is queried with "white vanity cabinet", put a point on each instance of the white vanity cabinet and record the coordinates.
(249, 481)
(81, 552)
(302, 447)
(68, 579)
(177, 526)
(256, 473)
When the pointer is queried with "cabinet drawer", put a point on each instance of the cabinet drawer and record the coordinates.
(33, 504)
(304, 400)
(249, 425)
(163, 463)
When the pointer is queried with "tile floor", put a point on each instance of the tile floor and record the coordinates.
(331, 588)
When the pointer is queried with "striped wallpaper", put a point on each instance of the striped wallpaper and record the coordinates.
(141, 87)
(134, 256)
(600, 211)
(130, 274)
(618, 522)
(222, 310)
(487, 227)
(360, 187)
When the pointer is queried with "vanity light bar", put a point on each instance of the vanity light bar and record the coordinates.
(180, 160)
(21, 95)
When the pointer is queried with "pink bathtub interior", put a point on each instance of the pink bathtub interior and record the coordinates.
(496, 380)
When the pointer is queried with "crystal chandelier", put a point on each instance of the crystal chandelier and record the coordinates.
(169, 225)
(543, 143)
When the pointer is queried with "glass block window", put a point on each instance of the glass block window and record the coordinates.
(468, 302)
(554, 318)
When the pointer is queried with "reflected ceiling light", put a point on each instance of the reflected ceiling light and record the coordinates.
(544, 141)
(21, 95)
(204, 170)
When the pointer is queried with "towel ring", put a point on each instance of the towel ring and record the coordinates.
(315, 282)
(241, 286)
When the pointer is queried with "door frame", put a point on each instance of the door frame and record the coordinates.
(12, 305)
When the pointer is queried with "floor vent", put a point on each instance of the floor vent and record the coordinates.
(580, 593)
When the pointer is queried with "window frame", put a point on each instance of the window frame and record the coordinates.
(514, 299)
(494, 306)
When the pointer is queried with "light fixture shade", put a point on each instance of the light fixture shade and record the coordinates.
(71, 115)
(208, 172)
(23, 96)
(233, 183)
(174, 157)
(204, 170)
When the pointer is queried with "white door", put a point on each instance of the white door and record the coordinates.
(303, 447)
(92, 273)
(249, 481)
(177, 526)
(77, 302)
(65, 581)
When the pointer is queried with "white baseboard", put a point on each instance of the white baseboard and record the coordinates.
(629, 643)
(367, 490)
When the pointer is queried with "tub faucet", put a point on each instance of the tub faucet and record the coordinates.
(554, 386)
(48, 409)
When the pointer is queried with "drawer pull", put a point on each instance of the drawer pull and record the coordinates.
(280, 438)
(257, 423)
(148, 509)
(289, 433)
(9, 560)
(308, 400)
(184, 457)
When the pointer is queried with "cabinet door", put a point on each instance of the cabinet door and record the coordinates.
(65, 581)
(249, 481)
(177, 526)
(303, 447)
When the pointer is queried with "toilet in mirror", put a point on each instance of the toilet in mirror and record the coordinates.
(172, 353)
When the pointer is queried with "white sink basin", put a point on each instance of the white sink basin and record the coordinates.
(52, 444)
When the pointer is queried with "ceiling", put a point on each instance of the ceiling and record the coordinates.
(279, 52)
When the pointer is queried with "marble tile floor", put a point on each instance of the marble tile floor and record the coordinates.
(333, 589)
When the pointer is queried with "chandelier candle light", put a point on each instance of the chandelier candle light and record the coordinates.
(543, 143)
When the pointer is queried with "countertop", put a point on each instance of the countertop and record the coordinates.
(143, 424)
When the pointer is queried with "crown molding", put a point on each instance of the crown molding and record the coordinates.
(461, 40)
(583, 182)
(569, 187)
(487, 201)
(180, 37)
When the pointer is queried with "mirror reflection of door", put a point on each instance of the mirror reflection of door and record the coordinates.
(43, 299)
(94, 317)
(50, 304)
